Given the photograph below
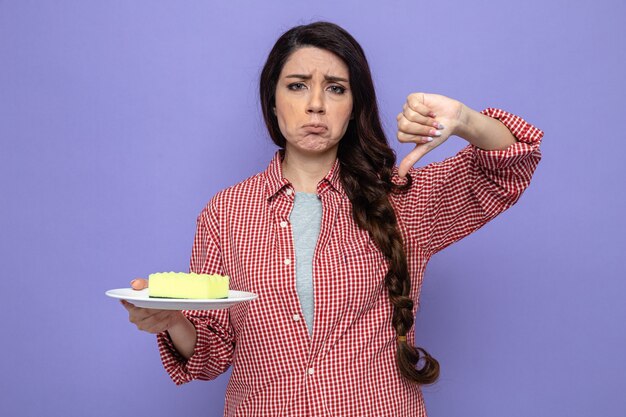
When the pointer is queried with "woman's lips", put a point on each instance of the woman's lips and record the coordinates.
(315, 128)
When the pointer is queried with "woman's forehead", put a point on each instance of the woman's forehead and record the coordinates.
(311, 61)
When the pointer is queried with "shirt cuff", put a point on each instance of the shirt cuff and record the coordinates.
(183, 370)
(528, 141)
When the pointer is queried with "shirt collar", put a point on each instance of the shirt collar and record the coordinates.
(276, 182)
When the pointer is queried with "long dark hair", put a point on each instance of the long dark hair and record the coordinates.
(366, 162)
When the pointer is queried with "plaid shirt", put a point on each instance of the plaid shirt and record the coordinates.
(347, 367)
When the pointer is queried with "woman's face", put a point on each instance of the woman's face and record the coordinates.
(313, 101)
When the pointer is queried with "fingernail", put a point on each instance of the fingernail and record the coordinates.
(432, 114)
(428, 139)
(435, 132)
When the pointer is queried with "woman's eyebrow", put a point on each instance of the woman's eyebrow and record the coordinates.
(331, 78)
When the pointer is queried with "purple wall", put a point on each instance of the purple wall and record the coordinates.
(120, 119)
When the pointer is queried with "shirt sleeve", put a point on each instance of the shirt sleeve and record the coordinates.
(215, 338)
(448, 200)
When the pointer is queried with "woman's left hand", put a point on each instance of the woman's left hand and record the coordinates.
(427, 120)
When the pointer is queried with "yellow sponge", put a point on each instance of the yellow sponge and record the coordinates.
(181, 285)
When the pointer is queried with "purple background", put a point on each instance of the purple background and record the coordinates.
(120, 119)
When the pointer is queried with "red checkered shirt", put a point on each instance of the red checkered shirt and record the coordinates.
(347, 367)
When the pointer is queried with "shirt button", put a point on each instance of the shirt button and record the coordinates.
(296, 317)
(287, 261)
(310, 371)
(283, 224)
(289, 191)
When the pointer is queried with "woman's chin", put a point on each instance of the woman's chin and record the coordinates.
(314, 149)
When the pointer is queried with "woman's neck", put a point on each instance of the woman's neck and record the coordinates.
(304, 172)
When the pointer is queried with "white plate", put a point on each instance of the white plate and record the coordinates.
(141, 299)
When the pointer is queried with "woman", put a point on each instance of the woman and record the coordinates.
(335, 239)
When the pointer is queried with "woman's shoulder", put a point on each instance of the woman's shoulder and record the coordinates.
(244, 189)
(239, 195)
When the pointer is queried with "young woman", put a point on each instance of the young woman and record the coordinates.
(334, 239)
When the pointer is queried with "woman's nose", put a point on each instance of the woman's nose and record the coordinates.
(316, 102)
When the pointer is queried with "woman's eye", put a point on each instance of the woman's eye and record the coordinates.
(296, 86)
(337, 89)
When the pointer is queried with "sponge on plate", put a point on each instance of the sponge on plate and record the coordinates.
(181, 285)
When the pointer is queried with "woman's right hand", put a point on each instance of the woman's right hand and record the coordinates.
(149, 319)
(182, 332)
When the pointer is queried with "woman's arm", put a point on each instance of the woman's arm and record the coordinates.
(202, 346)
(428, 120)
(450, 199)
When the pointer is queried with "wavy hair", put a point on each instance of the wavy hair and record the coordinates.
(366, 166)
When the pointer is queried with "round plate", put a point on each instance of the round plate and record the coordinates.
(141, 299)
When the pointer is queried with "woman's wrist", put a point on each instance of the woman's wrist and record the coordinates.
(483, 131)
(183, 334)
(464, 127)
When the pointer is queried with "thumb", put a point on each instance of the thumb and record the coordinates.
(411, 159)
(139, 284)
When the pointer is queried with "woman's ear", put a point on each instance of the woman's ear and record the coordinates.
(274, 110)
